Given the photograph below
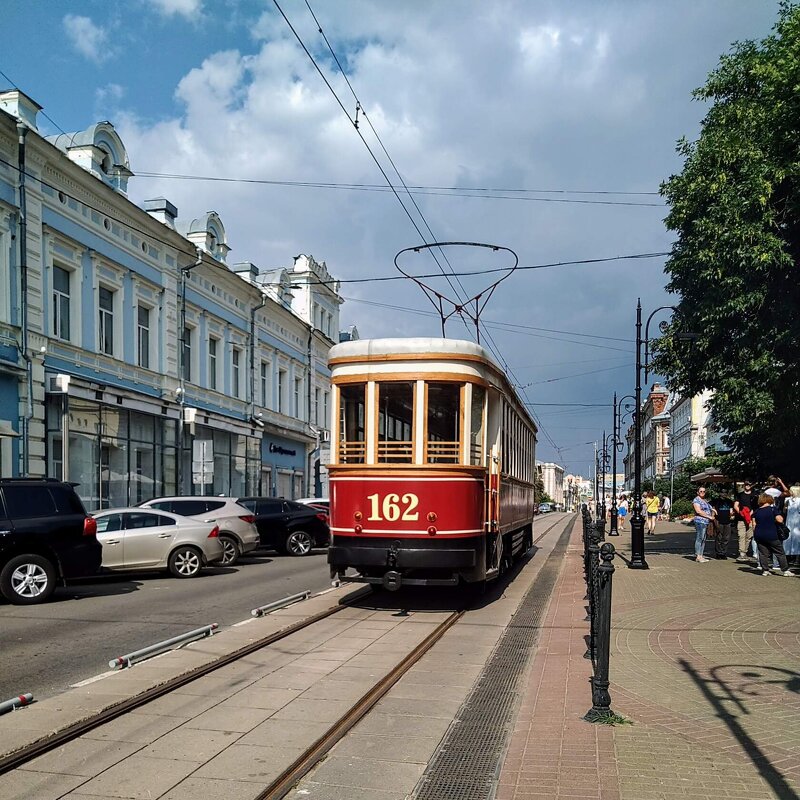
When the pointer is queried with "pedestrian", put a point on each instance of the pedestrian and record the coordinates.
(792, 545)
(766, 536)
(776, 489)
(746, 503)
(666, 505)
(723, 506)
(703, 514)
(651, 504)
(622, 512)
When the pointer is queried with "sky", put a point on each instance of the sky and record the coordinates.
(542, 127)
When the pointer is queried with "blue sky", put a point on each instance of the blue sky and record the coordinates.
(512, 94)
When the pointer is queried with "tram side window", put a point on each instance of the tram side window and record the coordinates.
(476, 427)
(352, 413)
(444, 423)
(395, 422)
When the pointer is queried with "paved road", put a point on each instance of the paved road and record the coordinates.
(46, 648)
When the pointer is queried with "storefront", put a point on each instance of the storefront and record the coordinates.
(221, 462)
(116, 456)
(283, 467)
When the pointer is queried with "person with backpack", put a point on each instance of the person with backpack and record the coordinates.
(723, 506)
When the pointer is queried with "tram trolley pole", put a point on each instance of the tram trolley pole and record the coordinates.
(601, 699)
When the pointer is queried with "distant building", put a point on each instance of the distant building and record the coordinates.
(553, 480)
(688, 435)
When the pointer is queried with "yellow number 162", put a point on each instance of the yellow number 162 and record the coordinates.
(393, 507)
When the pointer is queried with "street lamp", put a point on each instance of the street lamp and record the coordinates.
(637, 560)
(602, 463)
(616, 447)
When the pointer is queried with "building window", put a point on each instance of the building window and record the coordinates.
(317, 408)
(143, 336)
(264, 374)
(325, 409)
(187, 354)
(236, 373)
(298, 398)
(281, 391)
(61, 303)
(212, 362)
(106, 303)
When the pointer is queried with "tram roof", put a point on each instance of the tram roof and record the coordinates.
(375, 348)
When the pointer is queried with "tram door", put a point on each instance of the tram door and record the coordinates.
(494, 541)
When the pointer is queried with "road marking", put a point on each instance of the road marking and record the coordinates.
(94, 679)
(243, 622)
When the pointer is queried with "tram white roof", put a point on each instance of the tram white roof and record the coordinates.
(369, 348)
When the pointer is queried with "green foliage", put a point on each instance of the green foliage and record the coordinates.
(680, 508)
(546, 498)
(735, 208)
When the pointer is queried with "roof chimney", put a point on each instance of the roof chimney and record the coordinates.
(161, 209)
(246, 270)
(19, 105)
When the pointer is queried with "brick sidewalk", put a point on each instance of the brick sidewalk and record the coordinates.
(704, 662)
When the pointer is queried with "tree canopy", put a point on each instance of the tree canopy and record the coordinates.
(735, 208)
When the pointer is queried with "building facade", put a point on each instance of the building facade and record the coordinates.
(134, 361)
(553, 480)
(689, 420)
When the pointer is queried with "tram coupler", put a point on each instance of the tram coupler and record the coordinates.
(392, 580)
(392, 554)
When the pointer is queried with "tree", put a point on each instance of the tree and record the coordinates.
(736, 210)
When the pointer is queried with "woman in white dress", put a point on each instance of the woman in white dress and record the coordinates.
(792, 545)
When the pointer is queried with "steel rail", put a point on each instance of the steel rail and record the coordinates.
(314, 754)
(71, 732)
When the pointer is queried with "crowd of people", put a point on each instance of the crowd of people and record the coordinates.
(765, 525)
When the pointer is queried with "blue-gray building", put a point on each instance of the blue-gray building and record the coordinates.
(134, 360)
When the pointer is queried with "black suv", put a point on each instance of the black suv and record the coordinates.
(286, 526)
(46, 537)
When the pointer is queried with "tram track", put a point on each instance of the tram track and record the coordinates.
(302, 765)
(71, 732)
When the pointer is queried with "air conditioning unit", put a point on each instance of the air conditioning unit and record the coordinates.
(58, 384)
(324, 436)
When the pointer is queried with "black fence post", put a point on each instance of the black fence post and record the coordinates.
(592, 558)
(601, 699)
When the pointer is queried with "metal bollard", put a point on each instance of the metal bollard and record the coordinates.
(286, 601)
(162, 647)
(593, 553)
(16, 702)
(601, 699)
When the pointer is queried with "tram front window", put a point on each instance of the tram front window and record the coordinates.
(395, 422)
(444, 423)
(352, 407)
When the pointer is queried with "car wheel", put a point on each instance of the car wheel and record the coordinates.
(299, 543)
(230, 550)
(28, 579)
(185, 562)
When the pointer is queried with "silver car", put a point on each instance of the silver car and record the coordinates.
(237, 533)
(135, 538)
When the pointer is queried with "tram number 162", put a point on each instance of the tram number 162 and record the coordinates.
(393, 507)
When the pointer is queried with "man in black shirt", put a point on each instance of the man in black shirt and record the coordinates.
(724, 507)
(742, 518)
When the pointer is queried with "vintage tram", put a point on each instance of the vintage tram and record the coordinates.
(431, 477)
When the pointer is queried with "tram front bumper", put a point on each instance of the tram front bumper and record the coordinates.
(404, 557)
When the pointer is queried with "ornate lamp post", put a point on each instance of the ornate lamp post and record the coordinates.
(616, 446)
(637, 560)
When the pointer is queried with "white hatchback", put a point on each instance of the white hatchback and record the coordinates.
(141, 539)
(237, 533)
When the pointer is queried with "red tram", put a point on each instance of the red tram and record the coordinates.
(433, 459)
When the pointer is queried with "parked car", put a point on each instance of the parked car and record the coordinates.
(46, 538)
(288, 526)
(135, 538)
(545, 508)
(318, 502)
(237, 533)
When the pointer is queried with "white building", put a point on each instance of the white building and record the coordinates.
(688, 434)
(553, 480)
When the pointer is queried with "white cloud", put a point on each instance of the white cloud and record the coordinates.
(190, 9)
(505, 94)
(88, 39)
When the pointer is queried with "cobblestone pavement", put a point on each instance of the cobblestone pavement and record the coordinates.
(704, 664)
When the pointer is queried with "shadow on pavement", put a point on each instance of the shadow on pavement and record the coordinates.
(721, 701)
